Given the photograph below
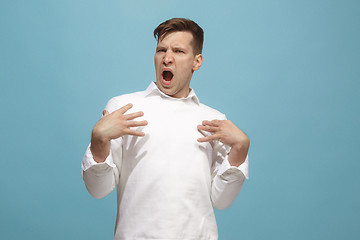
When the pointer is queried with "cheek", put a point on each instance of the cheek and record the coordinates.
(156, 61)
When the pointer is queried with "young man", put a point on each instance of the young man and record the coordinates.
(171, 158)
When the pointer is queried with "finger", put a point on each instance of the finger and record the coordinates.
(131, 116)
(208, 138)
(105, 112)
(208, 128)
(214, 123)
(135, 133)
(125, 108)
(136, 123)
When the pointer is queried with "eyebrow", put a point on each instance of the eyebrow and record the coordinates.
(160, 47)
(179, 48)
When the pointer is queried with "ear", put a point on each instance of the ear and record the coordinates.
(198, 59)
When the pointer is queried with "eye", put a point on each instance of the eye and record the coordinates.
(161, 50)
(179, 51)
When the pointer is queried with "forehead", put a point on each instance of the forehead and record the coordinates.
(177, 38)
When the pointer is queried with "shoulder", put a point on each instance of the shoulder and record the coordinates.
(120, 101)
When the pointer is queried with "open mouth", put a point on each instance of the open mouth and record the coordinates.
(167, 76)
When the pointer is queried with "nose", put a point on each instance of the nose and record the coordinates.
(168, 59)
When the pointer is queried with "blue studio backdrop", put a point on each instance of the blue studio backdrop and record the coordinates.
(285, 72)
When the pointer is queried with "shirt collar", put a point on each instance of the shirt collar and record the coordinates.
(153, 89)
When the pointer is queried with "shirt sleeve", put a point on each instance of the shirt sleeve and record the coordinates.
(101, 178)
(227, 180)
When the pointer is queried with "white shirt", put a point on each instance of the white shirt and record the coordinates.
(167, 182)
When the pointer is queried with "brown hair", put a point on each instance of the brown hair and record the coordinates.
(181, 25)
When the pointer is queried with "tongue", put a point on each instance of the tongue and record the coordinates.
(167, 75)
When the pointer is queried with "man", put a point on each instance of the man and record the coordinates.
(171, 158)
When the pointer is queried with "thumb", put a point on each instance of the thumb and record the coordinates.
(105, 112)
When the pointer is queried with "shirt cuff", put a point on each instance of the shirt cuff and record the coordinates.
(88, 160)
(233, 173)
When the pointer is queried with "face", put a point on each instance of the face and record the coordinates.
(175, 63)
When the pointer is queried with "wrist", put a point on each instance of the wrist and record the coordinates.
(238, 153)
(100, 149)
(97, 138)
(241, 145)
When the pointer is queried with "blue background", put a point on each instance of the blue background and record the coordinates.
(286, 72)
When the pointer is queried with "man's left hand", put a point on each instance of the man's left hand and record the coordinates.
(226, 132)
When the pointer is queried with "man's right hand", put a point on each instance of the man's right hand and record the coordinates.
(112, 126)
